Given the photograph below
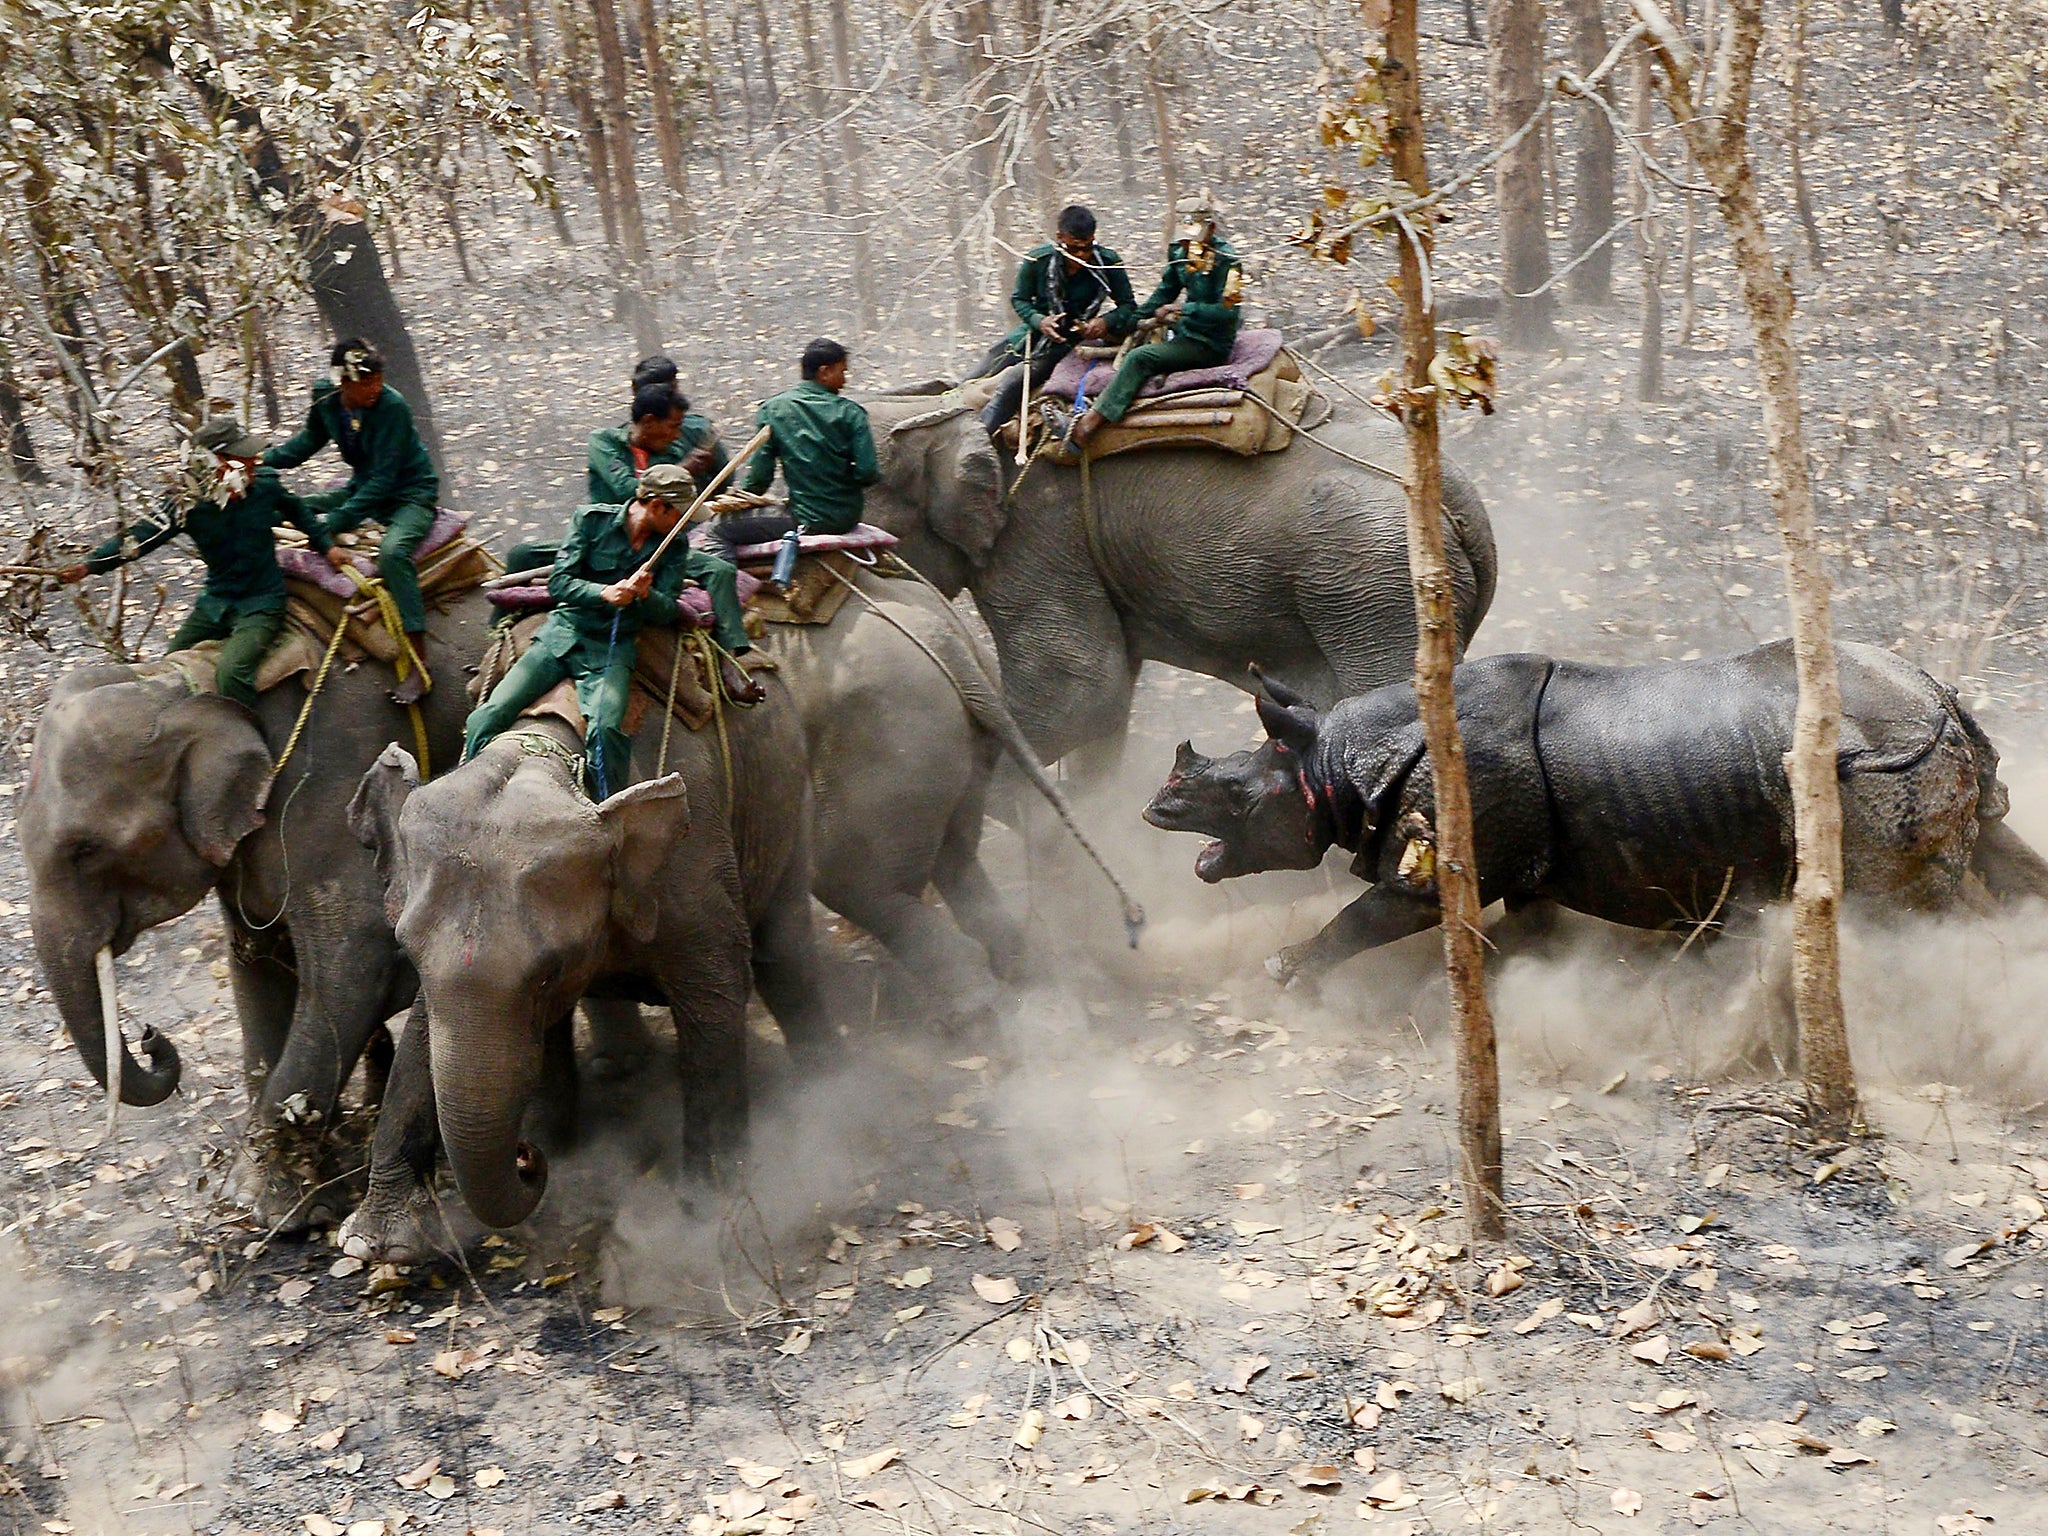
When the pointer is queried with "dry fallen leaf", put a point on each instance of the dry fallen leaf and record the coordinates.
(1030, 1429)
(996, 1289)
(755, 1474)
(316, 1525)
(867, 1466)
(1244, 1370)
(1504, 1280)
(1545, 1311)
(1079, 1406)
(420, 1475)
(489, 1477)
(1626, 1501)
(1653, 1350)
(913, 1279)
(610, 1498)
(440, 1486)
(1004, 1233)
(798, 1341)
(278, 1422)
(1316, 1477)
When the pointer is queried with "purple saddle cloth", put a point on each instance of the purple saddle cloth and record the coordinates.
(863, 536)
(1254, 353)
(304, 565)
(693, 603)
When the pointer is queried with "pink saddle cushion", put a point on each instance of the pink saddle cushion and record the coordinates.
(693, 602)
(304, 565)
(1254, 353)
(863, 536)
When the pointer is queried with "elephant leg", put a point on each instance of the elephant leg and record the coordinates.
(1067, 668)
(400, 1221)
(970, 894)
(266, 987)
(344, 989)
(707, 997)
(1381, 916)
(619, 1042)
(942, 962)
(786, 973)
(557, 1104)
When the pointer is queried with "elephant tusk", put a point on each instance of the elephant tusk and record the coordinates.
(110, 1019)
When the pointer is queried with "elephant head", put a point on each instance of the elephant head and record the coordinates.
(509, 889)
(137, 797)
(941, 490)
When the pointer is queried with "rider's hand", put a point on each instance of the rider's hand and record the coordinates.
(338, 557)
(70, 575)
(1095, 330)
(1053, 327)
(620, 594)
(697, 460)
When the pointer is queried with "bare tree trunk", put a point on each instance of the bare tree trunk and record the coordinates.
(21, 448)
(1688, 250)
(1649, 241)
(979, 18)
(856, 171)
(1592, 280)
(635, 305)
(1795, 133)
(1457, 877)
(1717, 130)
(537, 72)
(708, 67)
(1514, 85)
(1162, 121)
(1120, 113)
(668, 135)
(763, 35)
(828, 182)
(597, 156)
(1036, 124)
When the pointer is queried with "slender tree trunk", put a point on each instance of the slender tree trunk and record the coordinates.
(1795, 134)
(979, 18)
(668, 134)
(1688, 294)
(1120, 113)
(537, 72)
(1457, 868)
(763, 35)
(856, 171)
(636, 306)
(1514, 83)
(1717, 130)
(1592, 281)
(1162, 121)
(707, 66)
(1649, 241)
(814, 74)
(21, 448)
(739, 55)
(1032, 20)
(573, 27)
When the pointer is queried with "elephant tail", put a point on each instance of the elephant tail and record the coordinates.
(1467, 512)
(984, 703)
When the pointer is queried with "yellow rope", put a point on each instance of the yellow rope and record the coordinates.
(306, 709)
(404, 662)
(675, 674)
(709, 650)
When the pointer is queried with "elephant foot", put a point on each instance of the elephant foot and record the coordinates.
(1297, 969)
(282, 1196)
(398, 1227)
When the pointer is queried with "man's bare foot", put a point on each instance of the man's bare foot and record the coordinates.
(1091, 422)
(412, 687)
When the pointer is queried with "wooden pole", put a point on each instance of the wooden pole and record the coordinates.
(1457, 868)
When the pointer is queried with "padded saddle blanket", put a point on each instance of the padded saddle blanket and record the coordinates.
(1253, 354)
(1254, 416)
(318, 597)
(653, 667)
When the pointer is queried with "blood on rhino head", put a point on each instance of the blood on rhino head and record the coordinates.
(1260, 808)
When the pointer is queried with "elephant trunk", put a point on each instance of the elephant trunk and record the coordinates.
(482, 1082)
(81, 979)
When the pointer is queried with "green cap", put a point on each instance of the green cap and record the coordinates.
(670, 482)
(229, 438)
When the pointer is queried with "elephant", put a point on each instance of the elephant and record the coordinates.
(1296, 561)
(515, 895)
(904, 723)
(1653, 797)
(142, 798)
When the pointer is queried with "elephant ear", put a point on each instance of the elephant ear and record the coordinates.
(967, 508)
(373, 818)
(223, 777)
(645, 821)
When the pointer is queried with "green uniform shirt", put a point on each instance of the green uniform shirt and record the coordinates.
(234, 539)
(596, 554)
(1204, 318)
(827, 453)
(1044, 286)
(381, 446)
(615, 475)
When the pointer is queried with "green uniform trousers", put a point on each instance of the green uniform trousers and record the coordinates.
(720, 580)
(405, 526)
(601, 693)
(1149, 362)
(246, 633)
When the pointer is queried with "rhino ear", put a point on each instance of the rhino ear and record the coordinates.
(1187, 760)
(223, 778)
(373, 818)
(1292, 728)
(646, 821)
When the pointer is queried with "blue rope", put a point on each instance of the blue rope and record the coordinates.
(596, 731)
